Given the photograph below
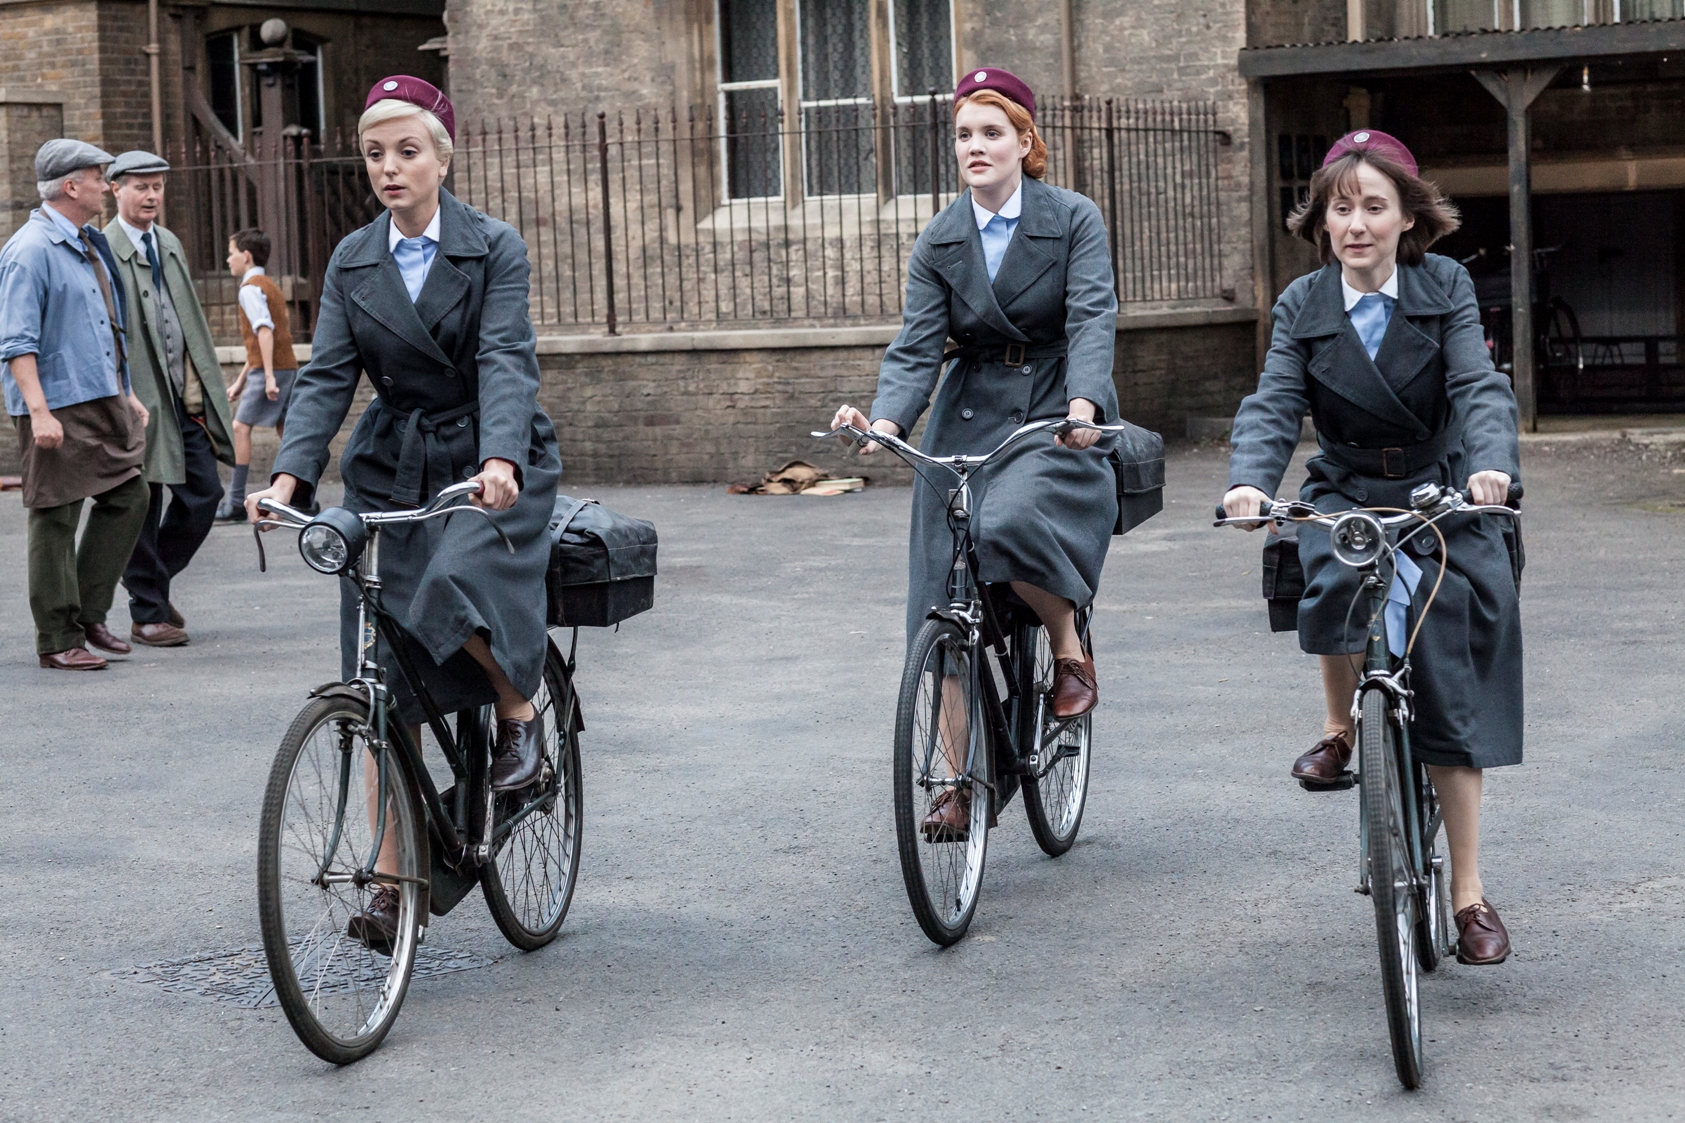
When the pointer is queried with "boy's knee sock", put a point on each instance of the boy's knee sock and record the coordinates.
(238, 492)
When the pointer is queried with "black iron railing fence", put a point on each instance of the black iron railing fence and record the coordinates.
(674, 218)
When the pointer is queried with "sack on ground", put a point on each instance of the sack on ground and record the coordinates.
(1138, 460)
(602, 564)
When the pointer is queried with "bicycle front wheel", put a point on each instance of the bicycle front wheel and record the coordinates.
(1392, 883)
(529, 882)
(941, 759)
(317, 846)
(1058, 753)
(1434, 940)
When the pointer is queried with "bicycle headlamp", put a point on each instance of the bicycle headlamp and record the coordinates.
(1358, 539)
(333, 540)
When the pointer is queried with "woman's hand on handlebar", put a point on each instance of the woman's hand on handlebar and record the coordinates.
(498, 489)
(280, 490)
(1489, 487)
(848, 415)
(1244, 502)
(1081, 409)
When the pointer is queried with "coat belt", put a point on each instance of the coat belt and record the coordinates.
(1011, 354)
(1392, 463)
(423, 459)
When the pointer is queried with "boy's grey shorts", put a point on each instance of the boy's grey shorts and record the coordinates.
(256, 409)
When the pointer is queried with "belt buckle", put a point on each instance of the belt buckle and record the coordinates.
(1014, 354)
(1387, 468)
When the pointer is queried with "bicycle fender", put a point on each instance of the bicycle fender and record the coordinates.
(341, 690)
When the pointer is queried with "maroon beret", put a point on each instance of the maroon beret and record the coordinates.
(1001, 81)
(404, 87)
(1373, 140)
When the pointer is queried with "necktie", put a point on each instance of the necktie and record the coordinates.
(997, 236)
(411, 255)
(104, 280)
(152, 260)
(1370, 316)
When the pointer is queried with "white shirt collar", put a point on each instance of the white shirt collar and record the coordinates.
(1389, 287)
(1011, 209)
(254, 271)
(394, 235)
(134, 233)
(59, 219)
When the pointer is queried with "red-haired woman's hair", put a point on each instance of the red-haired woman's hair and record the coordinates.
(1035, 161)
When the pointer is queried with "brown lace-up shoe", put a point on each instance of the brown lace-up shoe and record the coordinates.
(1326, 760)
(520, 753)
(376, 927)
(105, 639)
(158, 635)
(1074, 688)
(1482, 939)
(949, 819)
(73, 659)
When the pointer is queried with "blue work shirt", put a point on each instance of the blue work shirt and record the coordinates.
(51, 307)
(996, 230)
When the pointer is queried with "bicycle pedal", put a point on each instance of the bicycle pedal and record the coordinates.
(1344, 782)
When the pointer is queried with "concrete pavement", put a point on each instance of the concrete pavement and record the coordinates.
(740, 946)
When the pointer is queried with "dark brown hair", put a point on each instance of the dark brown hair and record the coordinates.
(1435, 215)
(255, 242)
(1035, 160)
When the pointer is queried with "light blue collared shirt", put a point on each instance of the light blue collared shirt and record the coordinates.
(414, 255)
(1370, 312)
(996, 229)
(51, 307)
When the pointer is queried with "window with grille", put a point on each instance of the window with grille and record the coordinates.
(836, 83)
(922, 57)
(749, 97)
(1298, 156)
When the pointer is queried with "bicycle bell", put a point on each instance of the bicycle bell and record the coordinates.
(1357, 538)
(333, 540)
(1426, 495)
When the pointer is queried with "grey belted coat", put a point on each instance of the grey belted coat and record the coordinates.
(1428, 408)
(1043, 514)
(456, 380)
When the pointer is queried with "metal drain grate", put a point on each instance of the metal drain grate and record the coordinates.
(241, 976)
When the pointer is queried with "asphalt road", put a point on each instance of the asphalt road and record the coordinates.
(740, 946)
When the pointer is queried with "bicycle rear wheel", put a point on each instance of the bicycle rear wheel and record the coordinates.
(529, 882)
(1434, 940)
(1392, 883)
(316, 838)
(941, 753)
(1057, 792)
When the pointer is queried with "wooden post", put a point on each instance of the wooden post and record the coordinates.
(1516, 91)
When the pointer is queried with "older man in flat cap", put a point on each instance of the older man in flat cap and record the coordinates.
(174, 367)
(80, 428)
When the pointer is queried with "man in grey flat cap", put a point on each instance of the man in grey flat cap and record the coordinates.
(173, 363)
(80, 427)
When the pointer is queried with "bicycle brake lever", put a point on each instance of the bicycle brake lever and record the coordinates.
(262, 560)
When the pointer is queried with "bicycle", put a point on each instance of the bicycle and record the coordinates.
(973, 717)
(349, 788)
(1400, 864)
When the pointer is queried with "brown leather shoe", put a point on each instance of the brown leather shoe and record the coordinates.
(520, 753)
(158, 635)
(1326, 760)
(1482, 939)
(73, 659)
(950, 817)
(105, 639)
(1074, 688)
(176, 618)
(376, 927)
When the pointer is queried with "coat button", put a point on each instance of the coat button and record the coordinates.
(462, 423)
(468, 473)
(1027, 369)
(1360, 495)
(965, 413)
(1017, 418)
(386, 381)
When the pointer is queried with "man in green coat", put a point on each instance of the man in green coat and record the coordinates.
(176, 375)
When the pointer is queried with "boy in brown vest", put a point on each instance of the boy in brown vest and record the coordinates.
(269, 345)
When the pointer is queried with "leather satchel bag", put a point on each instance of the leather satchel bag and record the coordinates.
(602, 564)
(1284, 578)
(1138, 460)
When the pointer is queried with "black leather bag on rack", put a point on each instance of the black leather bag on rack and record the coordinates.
(1138, 459)
(602, 564)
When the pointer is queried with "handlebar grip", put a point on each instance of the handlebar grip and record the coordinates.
(1264, 509)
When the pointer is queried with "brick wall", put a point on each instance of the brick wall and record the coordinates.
(56, 46)
(1273, 23)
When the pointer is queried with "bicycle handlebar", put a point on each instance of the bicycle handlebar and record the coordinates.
(905, 451)
(1428, 508)
(292, 518)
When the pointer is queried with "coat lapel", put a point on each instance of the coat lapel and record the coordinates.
(957, 254)
(446, 285)
(1027, 258)
(382, 293)
(1343, 364)
(1406, 350)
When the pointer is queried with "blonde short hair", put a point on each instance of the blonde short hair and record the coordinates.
(390, 109)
